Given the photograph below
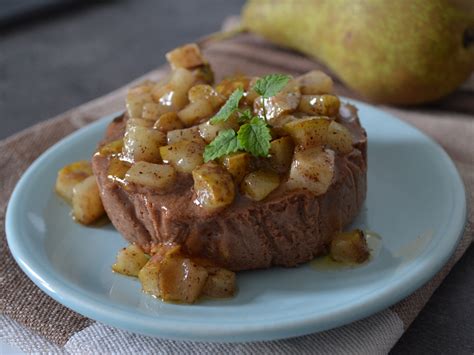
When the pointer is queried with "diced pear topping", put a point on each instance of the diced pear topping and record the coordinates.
(227, 86)
(209, 131)
(312, 169)
(183, 155)
(213, 186)
(315, 83)
(180, 279)
(220, 283)
(157, 176)
(69, 176)
(168, 122)
(135, 101)
(259, 184)
(130, 260)
(148, 276)
(308, 132)
(322, 105)
(206, 92)
(281, 104)
(151, 111)
(339, 138)
(186, 134)
(350, 247)
(142, 143)
(320, 131)
(237, 164)
(188, 56)
(117, 169)
(195, 112)
(86, 202)
(173, 96)
(112, 148)
(281, 154)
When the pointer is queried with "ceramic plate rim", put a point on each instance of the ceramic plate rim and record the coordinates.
(124, 318)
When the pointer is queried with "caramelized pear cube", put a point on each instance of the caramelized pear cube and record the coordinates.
(213, 186)
(168, 122)
(187, 56)
(133, 122)
(281, 104)
(186, 134)
(180, 279)
(207, 93)
(339, 138)
(321, 105)
(209, 131)
(173, 96)
(220, 283)
(143, 144)
(184, 155)
(315, 82)
(160, 177)
(228, 85)
(281, 154)
(130, 260)
(237, 164)
(135, 101)
(151, 111)
(86, 203)
(149, 277)
(117, 169)
(195, 112)
(312, 169)
(259, 184)
(112, 148)
(350, 247)
(320, 131)
(69, 176)
(308, 132)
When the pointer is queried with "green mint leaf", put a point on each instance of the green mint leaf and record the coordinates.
(231, 105)
(245, 116)
(254, 137)
(225, 143)
(271, 84)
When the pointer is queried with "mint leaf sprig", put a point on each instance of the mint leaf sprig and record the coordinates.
(225, 143)
(231, 106)
(254, 135)
(269, 86)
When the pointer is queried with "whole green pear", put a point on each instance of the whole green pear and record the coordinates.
(399, 52)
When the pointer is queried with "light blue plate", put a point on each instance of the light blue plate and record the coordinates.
(416, 202)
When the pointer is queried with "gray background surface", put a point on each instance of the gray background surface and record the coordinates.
(59, 60)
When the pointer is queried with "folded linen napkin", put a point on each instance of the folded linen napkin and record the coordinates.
(33, 322)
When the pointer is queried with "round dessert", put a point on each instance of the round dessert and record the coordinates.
(250, 173)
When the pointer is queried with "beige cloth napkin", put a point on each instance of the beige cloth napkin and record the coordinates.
(34, 322)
